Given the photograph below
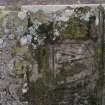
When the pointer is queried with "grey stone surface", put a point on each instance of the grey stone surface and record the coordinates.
(3, 2)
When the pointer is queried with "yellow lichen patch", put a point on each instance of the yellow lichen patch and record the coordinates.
(14, 43)
(19, 69)
(41, 16)
(22, 67)
(20, 51)
(21, 24)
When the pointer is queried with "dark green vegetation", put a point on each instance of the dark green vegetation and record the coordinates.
(77, 26)
(76, 29)
(101, 58)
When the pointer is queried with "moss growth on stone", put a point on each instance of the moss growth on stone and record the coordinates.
(41, 56)
(20, 51)
(37, 94)
(76, 28)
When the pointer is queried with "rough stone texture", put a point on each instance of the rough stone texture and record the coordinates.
(75, 57)
(73, 60)
(10, 83)
(80, 80)
(78, 54)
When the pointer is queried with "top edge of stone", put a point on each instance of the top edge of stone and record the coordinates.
(50, 2)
